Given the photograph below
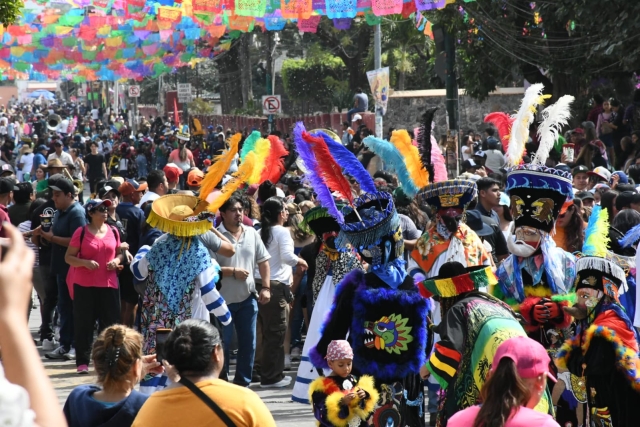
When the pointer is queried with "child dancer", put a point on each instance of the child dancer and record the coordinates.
(340, 400)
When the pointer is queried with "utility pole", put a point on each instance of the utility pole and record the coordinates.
(185, 105)
(452, 92)
(377, 64)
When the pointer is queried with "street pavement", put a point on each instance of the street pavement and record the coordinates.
(64, 378)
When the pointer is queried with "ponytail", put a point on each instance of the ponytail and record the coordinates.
(502, 394)
(271, 209)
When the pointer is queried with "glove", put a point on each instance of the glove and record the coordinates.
(554, 310)
(540, 313)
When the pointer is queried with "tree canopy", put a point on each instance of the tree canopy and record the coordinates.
(9, 11)
(565, 44)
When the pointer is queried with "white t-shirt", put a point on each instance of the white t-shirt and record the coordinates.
(466, 152)
(95, 114)
(63, 127)
(27, 162)
(65, 158)
(283, 258)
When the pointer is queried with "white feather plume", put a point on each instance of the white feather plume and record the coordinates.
(523, 118)
(554, 117)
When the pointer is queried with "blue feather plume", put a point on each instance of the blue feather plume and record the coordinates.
(596, 236)
(631, 237)
(394, 160)
(349, 162)
(308, 158)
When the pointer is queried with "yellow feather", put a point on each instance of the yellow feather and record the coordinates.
(262, 150)
(402, 141)
(219, 167)
(367, 383)
(240, 177)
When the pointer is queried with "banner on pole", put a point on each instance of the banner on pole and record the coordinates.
(379, 83)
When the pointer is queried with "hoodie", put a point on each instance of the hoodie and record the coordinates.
(82, 410)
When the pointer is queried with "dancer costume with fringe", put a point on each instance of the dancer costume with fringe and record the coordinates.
(382, 313)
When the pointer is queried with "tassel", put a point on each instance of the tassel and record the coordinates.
(220, 167)
(402, 141)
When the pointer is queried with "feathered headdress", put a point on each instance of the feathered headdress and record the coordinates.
(306, 155)
(402, 141)
(349, 162)
(261, 149)
(327, 167)
(503, 122)
(240, 177)
(553, 118)
(523, 118)
(394, 161)
(274, 166)
(249, 144)
(220, 167)
(631, 237)
(424, 139)
(596, 235)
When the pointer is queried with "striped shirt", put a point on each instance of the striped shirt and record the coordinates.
(25, 227)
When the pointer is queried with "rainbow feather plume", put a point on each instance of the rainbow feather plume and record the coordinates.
(308, 158)
(240, 177)
(502, 122)
(522, 120)
(393, 160)
(328, 168)
(596, 238)
(249, 144)
(261, 150)
(220, 167)
(402, 141)
(349, 162)
(274, 167)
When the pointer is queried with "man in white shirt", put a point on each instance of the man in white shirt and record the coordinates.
(238, 285)
(157, 185)
(63, 127)
(65, 158)
(95, 114)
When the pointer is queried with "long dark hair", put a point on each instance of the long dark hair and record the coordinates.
(190, 345)
(574, 231)
(269, 213)
(501, 394)
(608, 202)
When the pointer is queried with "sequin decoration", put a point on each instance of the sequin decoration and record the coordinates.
(429, 4)
(337, 9)
(296, 9)
(251, 8)
(386, 7)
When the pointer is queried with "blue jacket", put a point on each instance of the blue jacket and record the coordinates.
(82, 410)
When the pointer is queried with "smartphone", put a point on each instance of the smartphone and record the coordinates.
(161, 337)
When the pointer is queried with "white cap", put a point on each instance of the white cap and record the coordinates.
(356, 117)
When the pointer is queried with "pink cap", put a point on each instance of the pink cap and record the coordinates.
(530, 357)
(339, 349)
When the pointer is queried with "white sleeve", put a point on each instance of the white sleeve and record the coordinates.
(285, 243)
(206, 281)
(140, 264)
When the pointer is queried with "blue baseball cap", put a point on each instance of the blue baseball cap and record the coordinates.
(93, 204)
(624, 179)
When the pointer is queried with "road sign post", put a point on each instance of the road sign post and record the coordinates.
(134, 91)
(184, 93)
(271, 104)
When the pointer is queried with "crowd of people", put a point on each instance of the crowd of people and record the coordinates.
(410, 297)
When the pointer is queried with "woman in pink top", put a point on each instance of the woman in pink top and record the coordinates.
(517, 382)
(95, 258)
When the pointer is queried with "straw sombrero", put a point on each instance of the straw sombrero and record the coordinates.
(178, 214)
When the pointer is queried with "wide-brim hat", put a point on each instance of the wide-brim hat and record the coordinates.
(54, 163)
(375, 219)
(183, 136)
(453, 193)
(448, 287)
(601, 274)
(177, 214)
(318, 221)
(537, 194)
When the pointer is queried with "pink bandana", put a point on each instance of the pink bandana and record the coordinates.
(339, 349)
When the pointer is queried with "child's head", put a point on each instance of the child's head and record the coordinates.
(117, 357)
(340, 357)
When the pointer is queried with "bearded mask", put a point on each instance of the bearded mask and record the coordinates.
(525, 241)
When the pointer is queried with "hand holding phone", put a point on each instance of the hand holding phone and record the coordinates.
(161, 337)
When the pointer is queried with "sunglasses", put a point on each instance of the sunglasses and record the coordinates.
(101, 209)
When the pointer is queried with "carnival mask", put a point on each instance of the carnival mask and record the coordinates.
(588, 297)
(525, 241)
(329, 239)
(450, 218)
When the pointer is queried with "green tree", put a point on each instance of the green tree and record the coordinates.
(9, 11)
(565, 44)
